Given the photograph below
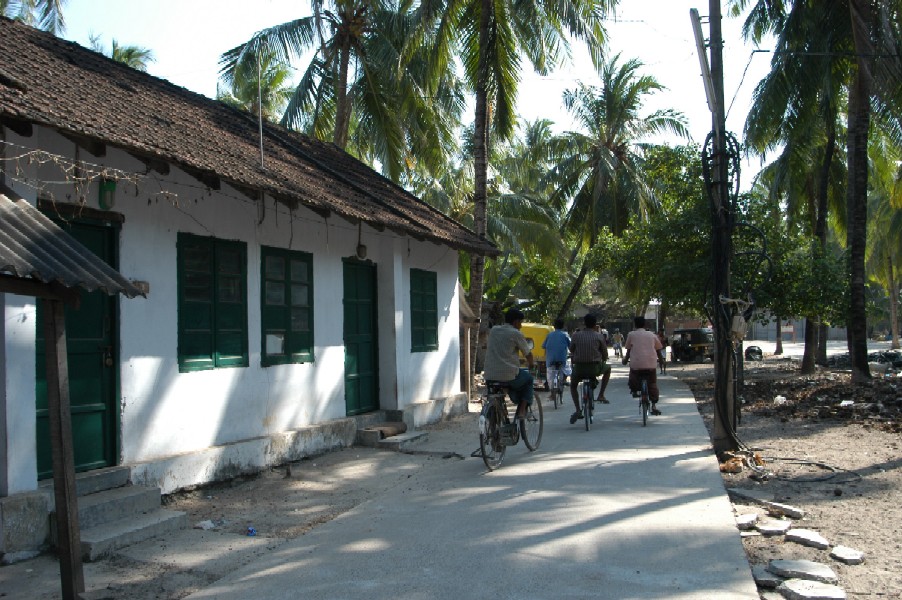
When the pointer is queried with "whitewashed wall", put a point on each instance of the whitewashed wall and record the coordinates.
(166, 413)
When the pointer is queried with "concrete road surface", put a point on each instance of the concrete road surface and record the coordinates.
(622, 512)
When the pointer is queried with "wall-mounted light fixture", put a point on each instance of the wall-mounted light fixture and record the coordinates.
(107, 195)
(361, 249)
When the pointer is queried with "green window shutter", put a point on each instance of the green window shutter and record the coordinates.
(212, 303)
(286, 306)
(423, 311)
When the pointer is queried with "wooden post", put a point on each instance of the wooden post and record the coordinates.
(468, 376)
(68, 535)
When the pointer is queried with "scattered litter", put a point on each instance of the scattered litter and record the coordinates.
(205, 525)
(778, 400)
(251, 532)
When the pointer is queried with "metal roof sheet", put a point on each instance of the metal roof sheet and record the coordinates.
(34, 247)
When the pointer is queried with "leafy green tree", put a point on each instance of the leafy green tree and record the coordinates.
(43, 14)
(599, 169)
(135, 57)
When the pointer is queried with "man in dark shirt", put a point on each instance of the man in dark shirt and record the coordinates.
(589, 353)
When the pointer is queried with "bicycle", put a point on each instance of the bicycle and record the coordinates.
(586, 400)
(556, 384)
(643, 395)
(497, 429)
(644, 402)
(662, 361)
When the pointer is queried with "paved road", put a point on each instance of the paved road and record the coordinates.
(622, 511)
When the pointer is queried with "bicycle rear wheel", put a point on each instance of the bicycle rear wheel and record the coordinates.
(532, 425)
(490, 436)
(643, 403)
(587, 404)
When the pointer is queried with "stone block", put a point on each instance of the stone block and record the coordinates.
(24, 525)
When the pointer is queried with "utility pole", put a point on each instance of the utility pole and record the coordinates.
(722, 220)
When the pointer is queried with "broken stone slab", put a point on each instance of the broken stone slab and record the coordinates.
(775, 508)
(802, 569)
(847, 555)
(764, 578)
(807, 537)
(773, 527)
(801, 589)
(746, 521)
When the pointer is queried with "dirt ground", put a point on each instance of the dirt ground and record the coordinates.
(831, 449)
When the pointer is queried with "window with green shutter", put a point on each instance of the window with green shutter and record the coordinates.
(286, 307)
(212, 303)
(423, 311)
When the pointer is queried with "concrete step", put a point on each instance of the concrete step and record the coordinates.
(119, 503)
(371, 435)
(101, 540)
(401, 441)
(95, 481)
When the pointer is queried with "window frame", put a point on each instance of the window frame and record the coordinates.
(218, 329)
(299, 346)
(423, 310)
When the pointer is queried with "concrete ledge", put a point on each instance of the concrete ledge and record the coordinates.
(24, 525)
(221, 463)
(434, 410)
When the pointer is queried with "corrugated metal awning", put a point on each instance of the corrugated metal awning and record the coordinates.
(34, 247)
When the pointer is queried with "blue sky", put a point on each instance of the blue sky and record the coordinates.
(187, 37)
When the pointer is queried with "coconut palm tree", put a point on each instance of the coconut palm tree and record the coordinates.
(870, 34)
(884, 250)
(491, 38)
(598, 172)
(797, 106)
(44, 14)
(136, 57)
(357, 89)
(262, 89)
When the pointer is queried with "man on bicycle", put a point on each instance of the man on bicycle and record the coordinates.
(590, 355)
(502, 360)
(617, 338)
(556, 345)
(642, 348)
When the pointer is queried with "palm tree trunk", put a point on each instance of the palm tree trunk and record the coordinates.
(577, 285)
(778, 346)
(480, 166)
(893, 303)
(820, 229)
(857, 189)
(342, 100)
(810, 346)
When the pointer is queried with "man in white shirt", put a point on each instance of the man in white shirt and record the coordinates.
(642, 348)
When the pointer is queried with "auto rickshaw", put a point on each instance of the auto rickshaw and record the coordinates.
(535, 334)
(692, 344)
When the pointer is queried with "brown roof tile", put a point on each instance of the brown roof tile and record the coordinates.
(55, 83)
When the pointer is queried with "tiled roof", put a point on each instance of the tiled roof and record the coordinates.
(58, 84)
(34, 247)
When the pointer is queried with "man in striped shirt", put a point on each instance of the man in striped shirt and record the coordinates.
(589, 353)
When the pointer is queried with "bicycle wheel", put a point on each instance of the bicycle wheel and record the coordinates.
(587, 404)
(532, 425)
(490, 436)
(644, 403)
(559, 388)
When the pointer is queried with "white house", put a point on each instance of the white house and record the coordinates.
(288, 289)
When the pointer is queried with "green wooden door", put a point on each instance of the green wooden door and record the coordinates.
(92, 355)
(361, 377)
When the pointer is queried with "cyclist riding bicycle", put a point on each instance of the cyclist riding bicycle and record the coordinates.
(617, 339)
(502, 361)
(590, 355)
(556, 345)
(642, 348)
